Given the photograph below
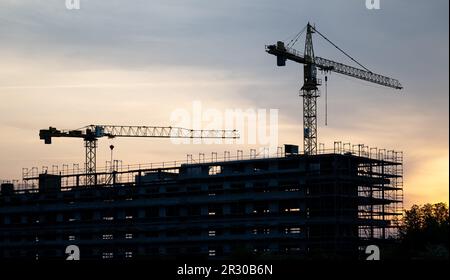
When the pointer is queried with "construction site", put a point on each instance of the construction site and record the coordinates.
(313, 203)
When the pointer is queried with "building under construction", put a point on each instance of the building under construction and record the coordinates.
(326, 205)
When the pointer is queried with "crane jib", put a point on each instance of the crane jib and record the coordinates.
(285, 53)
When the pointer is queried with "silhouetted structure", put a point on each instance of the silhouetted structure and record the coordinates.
(320, 205)
(310, 91)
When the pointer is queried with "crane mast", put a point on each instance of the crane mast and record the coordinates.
(91, 133)
(309, 91)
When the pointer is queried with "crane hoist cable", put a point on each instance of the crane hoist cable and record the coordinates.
(326, 100)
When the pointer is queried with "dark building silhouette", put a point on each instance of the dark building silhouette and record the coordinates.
(325, 205)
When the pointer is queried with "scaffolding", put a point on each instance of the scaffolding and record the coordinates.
(380, 189)
(339, 200)
(383, 193)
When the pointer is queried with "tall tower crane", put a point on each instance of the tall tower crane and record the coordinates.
(309, 90)
(91, 133)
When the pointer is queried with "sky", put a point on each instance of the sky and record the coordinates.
(137, 62)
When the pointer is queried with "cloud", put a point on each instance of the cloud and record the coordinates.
(134, 63)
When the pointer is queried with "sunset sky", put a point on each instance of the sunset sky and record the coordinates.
(136, 62)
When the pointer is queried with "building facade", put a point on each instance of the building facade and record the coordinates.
(303, 206)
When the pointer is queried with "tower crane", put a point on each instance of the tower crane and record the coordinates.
(91, 133)
(309, 90)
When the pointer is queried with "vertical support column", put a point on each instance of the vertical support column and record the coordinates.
(382, 197)
(310, 94)
(310, 121)
(372, 236)
(90, 163)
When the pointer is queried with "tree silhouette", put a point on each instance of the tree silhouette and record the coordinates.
(424, 232)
